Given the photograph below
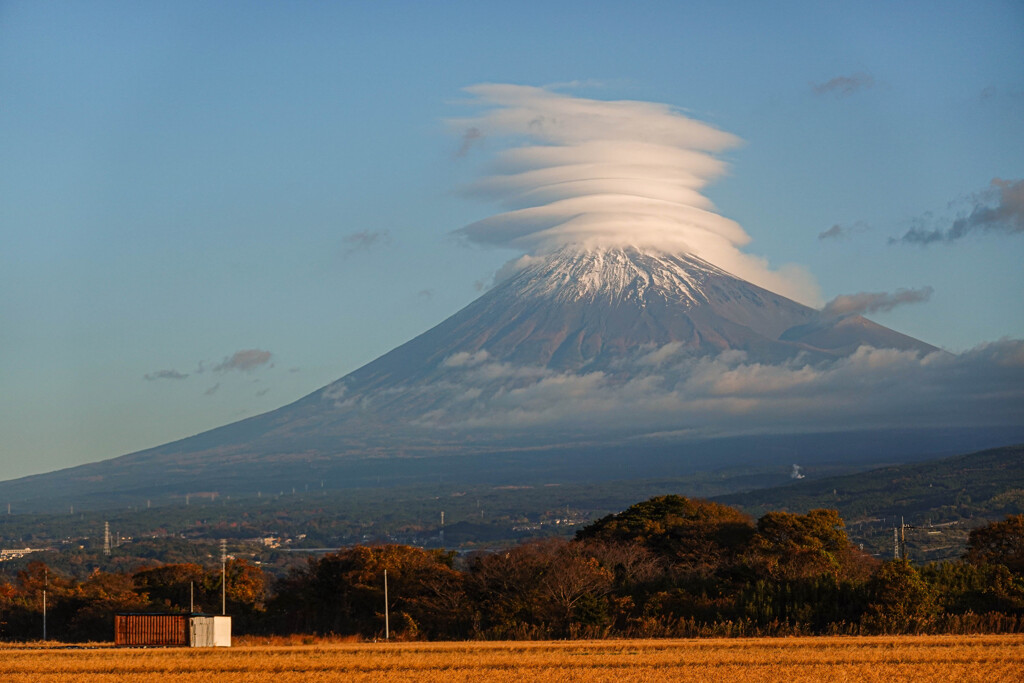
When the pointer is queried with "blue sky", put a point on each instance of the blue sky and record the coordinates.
(183, 181)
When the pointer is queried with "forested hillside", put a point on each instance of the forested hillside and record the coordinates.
(941, 499)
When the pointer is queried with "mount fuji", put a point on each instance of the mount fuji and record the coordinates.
(582, 359)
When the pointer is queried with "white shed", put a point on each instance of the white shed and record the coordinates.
(209, 631)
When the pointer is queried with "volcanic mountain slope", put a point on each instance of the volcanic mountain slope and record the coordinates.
(574, 312)
(586, 314)
(584, 309)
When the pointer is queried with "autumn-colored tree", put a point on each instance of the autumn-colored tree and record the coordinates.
(176, 587)
(343, 593)
(979, 588)
(171, 586)
(789, 546)
(900, 600)
(550, 588)
(574, 586)
(26, 608)
(36, 576)
(803, 570)
(697, 537)
(86, 612)
(999, 543)
(15, 613)
(246, 588)
(503, 587)
(74, 610)
(632, 565)
(245, 595)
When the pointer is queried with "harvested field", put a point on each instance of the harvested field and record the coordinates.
(905, 658)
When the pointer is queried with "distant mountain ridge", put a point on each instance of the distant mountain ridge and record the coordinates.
(951, 494)
(985, 482)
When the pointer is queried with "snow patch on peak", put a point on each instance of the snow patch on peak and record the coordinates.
(612, 274)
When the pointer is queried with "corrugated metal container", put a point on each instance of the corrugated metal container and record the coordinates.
(151, 629)
(172, 630)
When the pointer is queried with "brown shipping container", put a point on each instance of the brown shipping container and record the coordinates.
(151, 629)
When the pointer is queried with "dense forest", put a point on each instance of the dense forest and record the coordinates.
(669, 566)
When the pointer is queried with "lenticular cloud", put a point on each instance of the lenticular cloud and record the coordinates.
(593, 173)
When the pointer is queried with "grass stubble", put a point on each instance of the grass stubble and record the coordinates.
(854, 659)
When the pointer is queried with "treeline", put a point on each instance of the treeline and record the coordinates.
(669, 566)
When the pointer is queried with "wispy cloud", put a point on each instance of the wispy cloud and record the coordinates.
(470, 137)
(997, 209)
(365, 239)
(872, 302)
(834, 232)
(839, 231)
(991, 93)
(844, 86)
(212, 390)
(246, 360)
(165, 374)
(577, 84)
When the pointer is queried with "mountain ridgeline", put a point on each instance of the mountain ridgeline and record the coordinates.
(543, 378)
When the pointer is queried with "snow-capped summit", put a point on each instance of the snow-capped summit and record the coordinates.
(608, 275)
(586, 307)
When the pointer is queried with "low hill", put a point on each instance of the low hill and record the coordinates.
(941, 498)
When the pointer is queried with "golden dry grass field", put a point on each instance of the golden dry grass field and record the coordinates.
(905, 658)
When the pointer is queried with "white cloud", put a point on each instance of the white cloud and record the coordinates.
(871, 302)
(609, 173)
(246, 360)
(670, 390)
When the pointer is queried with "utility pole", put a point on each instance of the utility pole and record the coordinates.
(903, 532)
(191, 597)
(46, 584)
(899, 539)
(223, 576)
(903, 539)
(387, 624)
